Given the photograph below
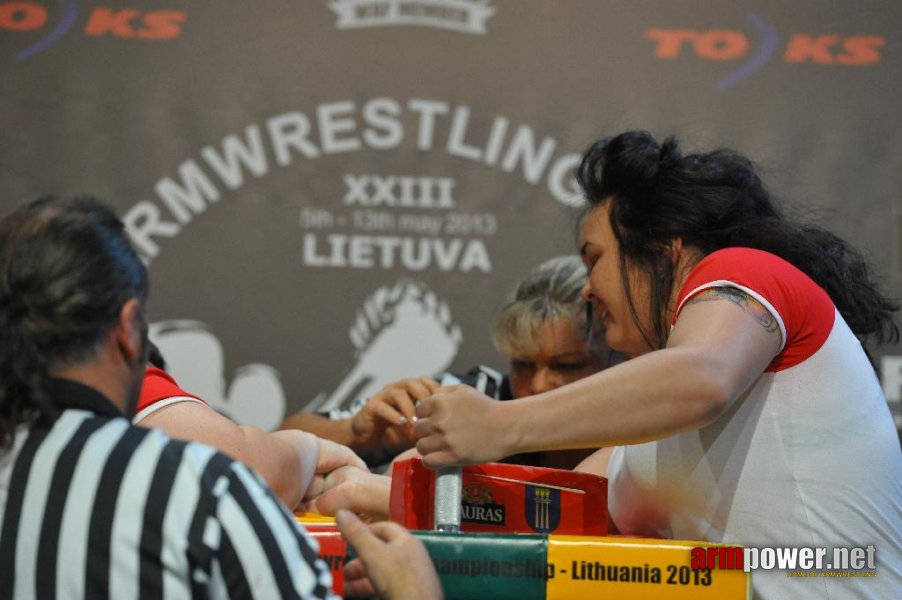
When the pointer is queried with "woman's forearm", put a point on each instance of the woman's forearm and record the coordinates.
(337, 430)
(649, 397)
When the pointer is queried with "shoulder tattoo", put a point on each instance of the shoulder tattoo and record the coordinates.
(740, 299)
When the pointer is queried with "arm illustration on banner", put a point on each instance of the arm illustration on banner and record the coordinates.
(401, 331)
(254, 396)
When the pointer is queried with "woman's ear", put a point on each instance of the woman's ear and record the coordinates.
(683, 256)
(675, 249)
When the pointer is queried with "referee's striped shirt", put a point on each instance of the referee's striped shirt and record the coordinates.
(92, 507)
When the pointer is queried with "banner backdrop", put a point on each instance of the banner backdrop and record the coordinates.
(334, 194)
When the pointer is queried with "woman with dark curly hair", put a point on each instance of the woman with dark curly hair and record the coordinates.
(751, 413)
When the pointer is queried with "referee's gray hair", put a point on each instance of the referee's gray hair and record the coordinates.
(550, 291)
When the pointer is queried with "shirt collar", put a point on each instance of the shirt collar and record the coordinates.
(66, 393)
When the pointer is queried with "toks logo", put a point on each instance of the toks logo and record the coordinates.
(134, 23)
(731, 45)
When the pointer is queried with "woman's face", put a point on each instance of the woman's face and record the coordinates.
(562, 356)
(600, 252)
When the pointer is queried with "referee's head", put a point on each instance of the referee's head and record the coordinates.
(72, 303)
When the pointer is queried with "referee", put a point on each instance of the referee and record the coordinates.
(91, 507)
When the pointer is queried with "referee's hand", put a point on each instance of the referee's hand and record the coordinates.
(391, 563)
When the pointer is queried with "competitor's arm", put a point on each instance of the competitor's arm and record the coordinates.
(359, 491)
(721, 343)
(274, 456)
(287, 460)
(383, 423)
(337, 430)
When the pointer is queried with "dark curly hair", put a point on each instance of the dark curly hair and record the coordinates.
(715, 200)
(66, 269)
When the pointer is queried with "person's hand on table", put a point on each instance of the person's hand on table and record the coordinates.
(353, 489)
(386, 419)
(459, 425)
(331, 456)
(391, 563)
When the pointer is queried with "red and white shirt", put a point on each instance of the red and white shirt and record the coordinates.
(807, 456)
(160, 390)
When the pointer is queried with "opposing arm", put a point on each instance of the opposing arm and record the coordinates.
(287, 460)
(382, 425)
(719, 346)
(337, 430)
(274, 456)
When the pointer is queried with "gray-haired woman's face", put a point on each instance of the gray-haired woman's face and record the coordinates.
(562, 355)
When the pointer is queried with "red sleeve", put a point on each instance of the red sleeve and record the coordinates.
(802, 309)
(159, 385)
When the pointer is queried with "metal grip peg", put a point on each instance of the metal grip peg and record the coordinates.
(448, 485)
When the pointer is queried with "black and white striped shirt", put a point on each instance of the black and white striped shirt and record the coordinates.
(92, 507)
